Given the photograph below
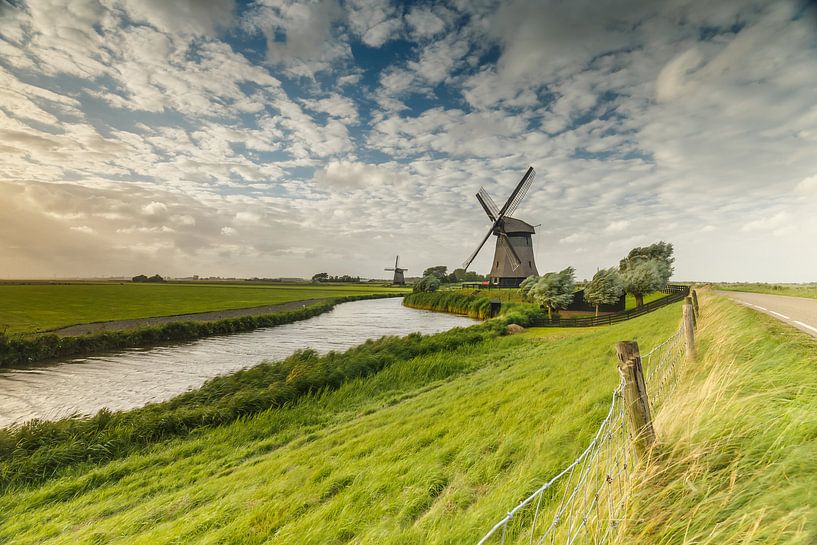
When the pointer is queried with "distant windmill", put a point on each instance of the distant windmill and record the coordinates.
(398, 273)
(513, 257)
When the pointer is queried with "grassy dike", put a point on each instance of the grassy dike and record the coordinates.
(736, 460)
(422, 440)
(21, 350)
(473, 306)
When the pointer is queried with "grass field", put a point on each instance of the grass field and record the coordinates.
(432, 449)
(40, 307)
(794, 290)
(436, 448)
(736, 461)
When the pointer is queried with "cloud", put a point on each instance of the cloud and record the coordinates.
(196, 17)
(808, 185)
(140, 134)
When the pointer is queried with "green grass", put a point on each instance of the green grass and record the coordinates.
(512, 295)
(41, 307)
(629, 302)
(432, 448)
(794, 290)
(736, 460)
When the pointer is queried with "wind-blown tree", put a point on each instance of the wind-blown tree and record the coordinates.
(554, 290)
(440, 271)
(527, 285)
(645, 277)
(605, 288)
(660, 251)
(427, 284)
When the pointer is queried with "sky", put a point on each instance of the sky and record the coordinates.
(276, 138)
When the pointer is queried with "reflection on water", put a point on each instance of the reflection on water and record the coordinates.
(127, 379)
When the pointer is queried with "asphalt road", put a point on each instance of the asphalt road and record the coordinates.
(799, 312)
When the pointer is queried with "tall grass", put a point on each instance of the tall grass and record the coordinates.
(474, 306)
(21, 350)
(736, 461)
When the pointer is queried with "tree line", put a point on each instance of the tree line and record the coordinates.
(324, 277)
(645, 270)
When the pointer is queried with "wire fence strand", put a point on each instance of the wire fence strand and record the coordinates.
(584, 502)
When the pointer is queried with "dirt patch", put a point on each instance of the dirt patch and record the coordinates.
(81, 329)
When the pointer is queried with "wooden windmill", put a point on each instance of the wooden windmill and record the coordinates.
(513, 256)
(398, 273)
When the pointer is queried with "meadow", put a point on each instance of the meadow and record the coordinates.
(418, 447)
(793, 290)
(33, 308)
(433, 439)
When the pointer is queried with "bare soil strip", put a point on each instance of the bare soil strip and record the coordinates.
(81, 329)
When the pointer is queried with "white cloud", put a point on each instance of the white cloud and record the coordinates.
(808, 185)
(154, 208)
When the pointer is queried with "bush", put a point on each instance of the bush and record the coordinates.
(428, 284)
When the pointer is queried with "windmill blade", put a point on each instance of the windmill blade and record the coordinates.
(515, 197)
(523, 190)
(515, 262)
(396, 261)
(488, 204)
(481, 244)
(388, 269)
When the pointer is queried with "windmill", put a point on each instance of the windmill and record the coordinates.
(513, 257)
(398, 273)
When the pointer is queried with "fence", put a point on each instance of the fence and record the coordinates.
(674, 294)
(584, 503)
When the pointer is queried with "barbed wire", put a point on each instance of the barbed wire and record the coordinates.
(586, 499)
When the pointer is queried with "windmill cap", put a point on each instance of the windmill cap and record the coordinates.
(513, 225)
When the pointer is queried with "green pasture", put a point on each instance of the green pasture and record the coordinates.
(794, 290)
(430, 449)
(30, 308)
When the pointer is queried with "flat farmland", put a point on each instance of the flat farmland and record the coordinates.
(32, 308)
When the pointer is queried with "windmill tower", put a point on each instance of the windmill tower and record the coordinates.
(398, 273)
(513, 256)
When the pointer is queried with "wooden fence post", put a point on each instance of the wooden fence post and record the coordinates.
(689, 329)
(695, 303)
(636, 403)
(688, 301)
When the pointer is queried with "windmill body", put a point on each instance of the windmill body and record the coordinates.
(513, 256)
(506, 270)
(398, 279)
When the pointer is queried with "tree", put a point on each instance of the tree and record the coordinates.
(155, 278)
(139, 278)
(605, 288)
(661, 251)
(320, 277)
(428, 283)
(440, 271)
(554, 290)
(645, 277)
(527, 285)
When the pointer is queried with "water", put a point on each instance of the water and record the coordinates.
(132, 378)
